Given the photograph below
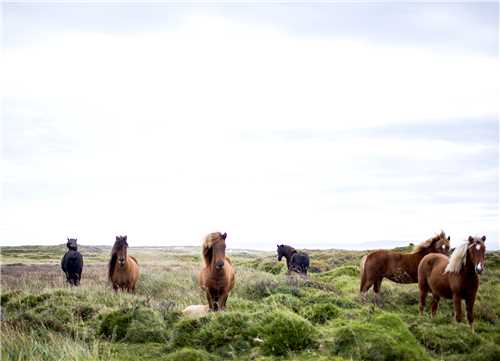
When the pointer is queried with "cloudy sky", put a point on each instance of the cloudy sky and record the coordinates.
(327, 125)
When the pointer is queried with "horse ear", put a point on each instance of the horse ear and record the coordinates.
(224, 235)
(483, 238)
(471, 239)
(448, 238)
(117, 238)
(124, 238)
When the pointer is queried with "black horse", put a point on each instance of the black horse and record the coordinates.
(295, 261)
(72, 263)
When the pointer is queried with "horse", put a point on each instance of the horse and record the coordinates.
(72, 263)
(217, 276)
(295, 261)
(123, 270)
(398, 267)
(454, 278)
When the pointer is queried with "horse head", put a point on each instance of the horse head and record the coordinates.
(281, 251)
(441, 244)
(120, 250)
(214, 250)
(475, 253)
(71, 244)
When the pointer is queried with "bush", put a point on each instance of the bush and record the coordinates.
(215, 332)
(231, 329)
(146, 326)
(486, 352)
(133, 325)
(286, 300)
(284, 331)
(115, 324)
(445, 338)
(320, 313)
(185, 332)
(385, 338)
(189, 354)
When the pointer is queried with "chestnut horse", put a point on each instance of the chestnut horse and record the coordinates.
(217, 276)
(123, 270)
(396, 266)
(454, 278)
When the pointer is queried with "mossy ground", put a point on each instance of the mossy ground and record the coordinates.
(269, 316)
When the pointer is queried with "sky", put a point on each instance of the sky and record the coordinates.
(324, 125)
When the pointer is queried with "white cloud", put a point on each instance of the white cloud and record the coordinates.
(155, 121)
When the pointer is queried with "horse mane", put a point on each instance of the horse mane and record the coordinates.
(427, 243)
(111, 266)
(209, 240)
(119, 244)
(457, 259)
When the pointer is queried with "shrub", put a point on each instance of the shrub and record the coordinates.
(445, 338)
(284, 331)
(385, 338)
(320, 313)
(114, 325)
(286, 300)
(227, 329)
(146, 326)
(185, 332)
(189, 354)
(133, 325)
(258, 287)
(215, 332)
(327, 297)
(486, 352)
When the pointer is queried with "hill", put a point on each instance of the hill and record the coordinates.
(270, 316)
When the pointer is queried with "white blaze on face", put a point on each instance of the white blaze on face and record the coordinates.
(479, 266)
(478, 247)
(444, 247)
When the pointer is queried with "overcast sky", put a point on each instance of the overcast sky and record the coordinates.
(320, 126)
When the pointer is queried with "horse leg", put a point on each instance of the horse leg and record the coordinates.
(457, 306)
(364, 286)
(376, 289)
(423, 298)
(434, 305)
(223, 301)
(469, 304)
(115, 287)
(210, 302)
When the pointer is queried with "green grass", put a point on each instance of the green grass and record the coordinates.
(269, 316)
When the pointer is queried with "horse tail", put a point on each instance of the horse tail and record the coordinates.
(111, 266)
(362, 265)
(363, 275)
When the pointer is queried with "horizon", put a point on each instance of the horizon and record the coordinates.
(311, 124)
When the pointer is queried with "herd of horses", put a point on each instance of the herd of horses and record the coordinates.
(453, 277)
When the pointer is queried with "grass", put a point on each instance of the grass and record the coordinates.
(269, 316)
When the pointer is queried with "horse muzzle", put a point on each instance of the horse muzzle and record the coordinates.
(219, 265)
(479, 268)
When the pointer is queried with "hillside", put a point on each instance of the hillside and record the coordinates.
(270, 316)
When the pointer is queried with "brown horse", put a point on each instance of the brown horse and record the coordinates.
(454, 278)
(217, 276)
(123, 270)
(396, 266)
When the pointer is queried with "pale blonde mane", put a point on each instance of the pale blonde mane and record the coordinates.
(427, 243)
(457, 258)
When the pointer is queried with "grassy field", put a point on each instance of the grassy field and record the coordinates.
(270, 316)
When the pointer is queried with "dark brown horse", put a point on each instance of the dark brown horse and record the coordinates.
(217, 276)
(454, 278)
(123, 270)
(396, 266)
